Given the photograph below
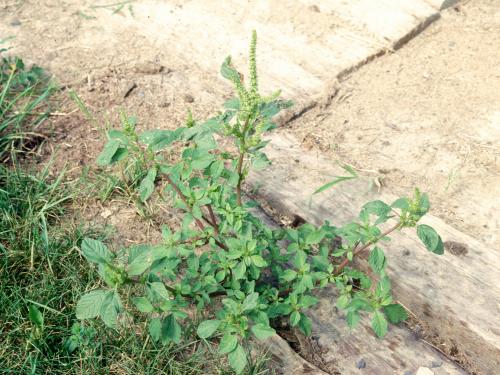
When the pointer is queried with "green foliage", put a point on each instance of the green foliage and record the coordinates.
(223, 260)
(28, 203)
(24, 95)
(41, 281)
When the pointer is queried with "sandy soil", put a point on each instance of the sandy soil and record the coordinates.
(427, 115)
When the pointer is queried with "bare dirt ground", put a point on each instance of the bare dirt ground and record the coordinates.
(427, 115)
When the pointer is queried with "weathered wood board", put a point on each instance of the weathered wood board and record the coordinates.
(457, 294)
(359, 351)
(335, 348)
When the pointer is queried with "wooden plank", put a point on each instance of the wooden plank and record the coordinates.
(337, 349)
(290, 363)
(360, 351)
(457, 295)
(304, 45)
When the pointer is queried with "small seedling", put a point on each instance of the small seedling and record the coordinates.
(240, 274)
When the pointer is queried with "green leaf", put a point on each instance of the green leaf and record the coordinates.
(147, 185)
(251, 301)
(238, 359)
(352, 318)
(227, 70)
(233, 103)
(395, 313)
(110, 308)
(171, 330)
(377, 207)
(379, 324)
(377, 260)
(207, 328)
(430, 239)
(401, 203)
(308, 301)
(294, 318)
(117, 134)
(300, 259)
(160, 290)
(90, 304)
(383, 287)
(158, 139)
(424, 204)
(35, 316)
(155, 329)
(262, 331)
(120, 154)
(258, 261)
(305, 324)
(239, 271)
(205, 142)
(143, 304)
(337, 179)
(140, 263)
(109, 150)
(260, 161)
(289, 275)
(95, 251)
(228, 343)
(315, 237)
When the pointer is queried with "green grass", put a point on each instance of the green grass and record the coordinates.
(24, 105)
(41, 266)
(42, 274)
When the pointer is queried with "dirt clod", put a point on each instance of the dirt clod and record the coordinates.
(456, 248)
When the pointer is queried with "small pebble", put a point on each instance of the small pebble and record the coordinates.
(148, 68)
(188, 98)
(106, 213)
(436, 364)
(15, 22)
(361, 363)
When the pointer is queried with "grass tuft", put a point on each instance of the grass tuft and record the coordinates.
(24, 105)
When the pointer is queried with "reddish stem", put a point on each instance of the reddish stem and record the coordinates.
(213, 219)
(355, 252)
(197, 221)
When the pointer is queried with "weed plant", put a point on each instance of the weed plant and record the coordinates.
(223, 265)
(42, 272)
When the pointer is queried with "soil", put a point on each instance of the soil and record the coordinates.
(427, 115)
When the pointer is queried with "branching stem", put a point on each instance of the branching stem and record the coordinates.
(213, 219)
(356, 251)
(197, 221)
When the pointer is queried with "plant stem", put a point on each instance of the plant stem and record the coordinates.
(346, 261)
(197, 221)
(213, 219)
(241, 158)
(181, 195)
